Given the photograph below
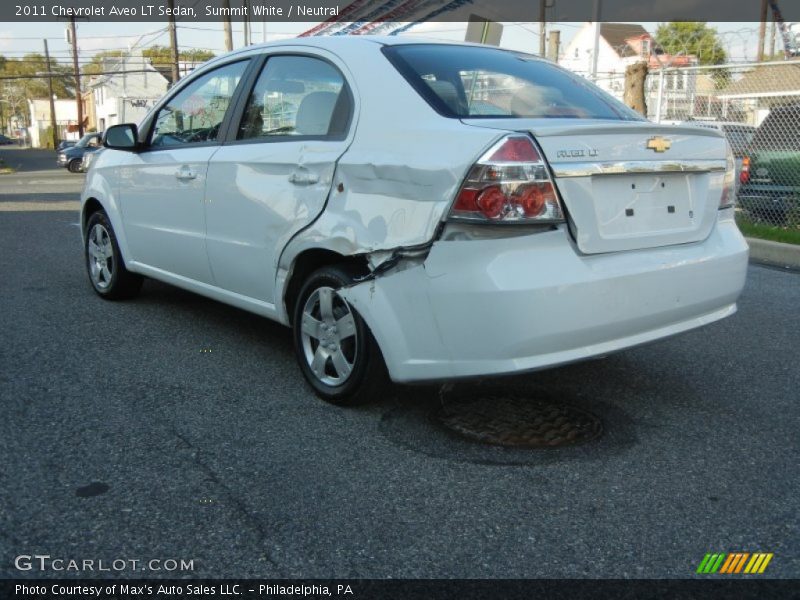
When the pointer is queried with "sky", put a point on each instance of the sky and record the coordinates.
(16, 39)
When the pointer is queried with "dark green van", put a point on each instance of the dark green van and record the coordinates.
(769, 181)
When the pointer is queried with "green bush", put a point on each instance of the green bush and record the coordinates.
(46, 138)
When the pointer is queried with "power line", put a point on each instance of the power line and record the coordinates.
(69, 75)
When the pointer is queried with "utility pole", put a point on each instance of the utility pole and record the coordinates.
(50, 92)
(772, 27)
(173, 42)
(542, 26)
(596, 48)
(762, 30)
(78, 94)
(226, 25)
(554, 42)
(246, 23)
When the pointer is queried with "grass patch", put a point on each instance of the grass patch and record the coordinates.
(768, 232)
(6, 170)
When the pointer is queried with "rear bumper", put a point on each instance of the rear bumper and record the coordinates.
(486, 307)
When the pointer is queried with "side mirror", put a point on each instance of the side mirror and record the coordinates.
(122, 137)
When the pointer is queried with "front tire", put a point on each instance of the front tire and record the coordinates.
(336, 351)
(74, 165)
(107, 272)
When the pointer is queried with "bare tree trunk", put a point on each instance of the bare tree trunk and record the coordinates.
(635, 77)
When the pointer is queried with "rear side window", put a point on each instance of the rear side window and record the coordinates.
(297, 96)
(467, 81)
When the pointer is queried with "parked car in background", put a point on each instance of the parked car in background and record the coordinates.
(769, 183)
(71, 158)
(408, 220)
(6, 141)
(64, 144)
(739, 136)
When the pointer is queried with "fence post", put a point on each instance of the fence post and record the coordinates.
(660, 99)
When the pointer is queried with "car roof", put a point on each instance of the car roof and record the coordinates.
(339, 42)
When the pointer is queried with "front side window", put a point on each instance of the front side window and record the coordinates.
(195, 114)
(469, 81)
(297, 96)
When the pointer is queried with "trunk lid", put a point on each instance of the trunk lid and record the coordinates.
(629, 185)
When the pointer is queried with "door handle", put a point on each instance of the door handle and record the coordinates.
(303, 176)
(185, 174)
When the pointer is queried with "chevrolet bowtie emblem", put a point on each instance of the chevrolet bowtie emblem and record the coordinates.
(659, 144)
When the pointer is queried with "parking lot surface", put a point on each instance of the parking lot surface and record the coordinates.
(172, 426)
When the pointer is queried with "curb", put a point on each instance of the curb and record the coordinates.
(776, 253)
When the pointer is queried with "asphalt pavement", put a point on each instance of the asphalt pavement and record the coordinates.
(175, 427)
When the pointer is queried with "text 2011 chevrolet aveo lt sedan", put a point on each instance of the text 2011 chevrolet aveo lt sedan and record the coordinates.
(427, 211)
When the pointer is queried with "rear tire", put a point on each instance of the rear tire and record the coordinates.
(336, 351)
(107, 272)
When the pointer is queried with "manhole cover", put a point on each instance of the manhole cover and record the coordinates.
(517, 421)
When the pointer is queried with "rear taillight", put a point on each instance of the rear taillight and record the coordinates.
(729, 182)
(744, 174)
(509, 184)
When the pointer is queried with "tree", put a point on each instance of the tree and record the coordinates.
(692, 38)
(26, 81)
(162, 55)
(98, 62)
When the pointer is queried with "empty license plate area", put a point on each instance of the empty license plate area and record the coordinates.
(633, 205)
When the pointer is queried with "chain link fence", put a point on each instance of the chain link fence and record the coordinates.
(757, 107)
(699, 76)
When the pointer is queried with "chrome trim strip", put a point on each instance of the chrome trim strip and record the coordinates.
(587, 169)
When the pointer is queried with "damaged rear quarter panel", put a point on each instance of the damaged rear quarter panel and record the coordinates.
(400, 174)
(396, 187)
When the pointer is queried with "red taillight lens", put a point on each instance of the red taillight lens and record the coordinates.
(508, 184)
(466, 200)
(491, 202)
(744, 174)
(516, 149)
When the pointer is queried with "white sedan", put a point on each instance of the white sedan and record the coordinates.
(418, 210)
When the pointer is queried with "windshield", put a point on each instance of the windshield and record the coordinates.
(474, 81)
(89, 137)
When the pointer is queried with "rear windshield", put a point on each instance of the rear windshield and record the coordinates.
(474, 81)
(739, 138)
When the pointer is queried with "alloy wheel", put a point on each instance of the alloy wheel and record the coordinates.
(100, 256)
(329, 336)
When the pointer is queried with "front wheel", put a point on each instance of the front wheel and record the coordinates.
(74, 165)
(107, 272)
(337, 353)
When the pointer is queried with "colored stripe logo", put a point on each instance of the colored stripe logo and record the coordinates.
(732, 563)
